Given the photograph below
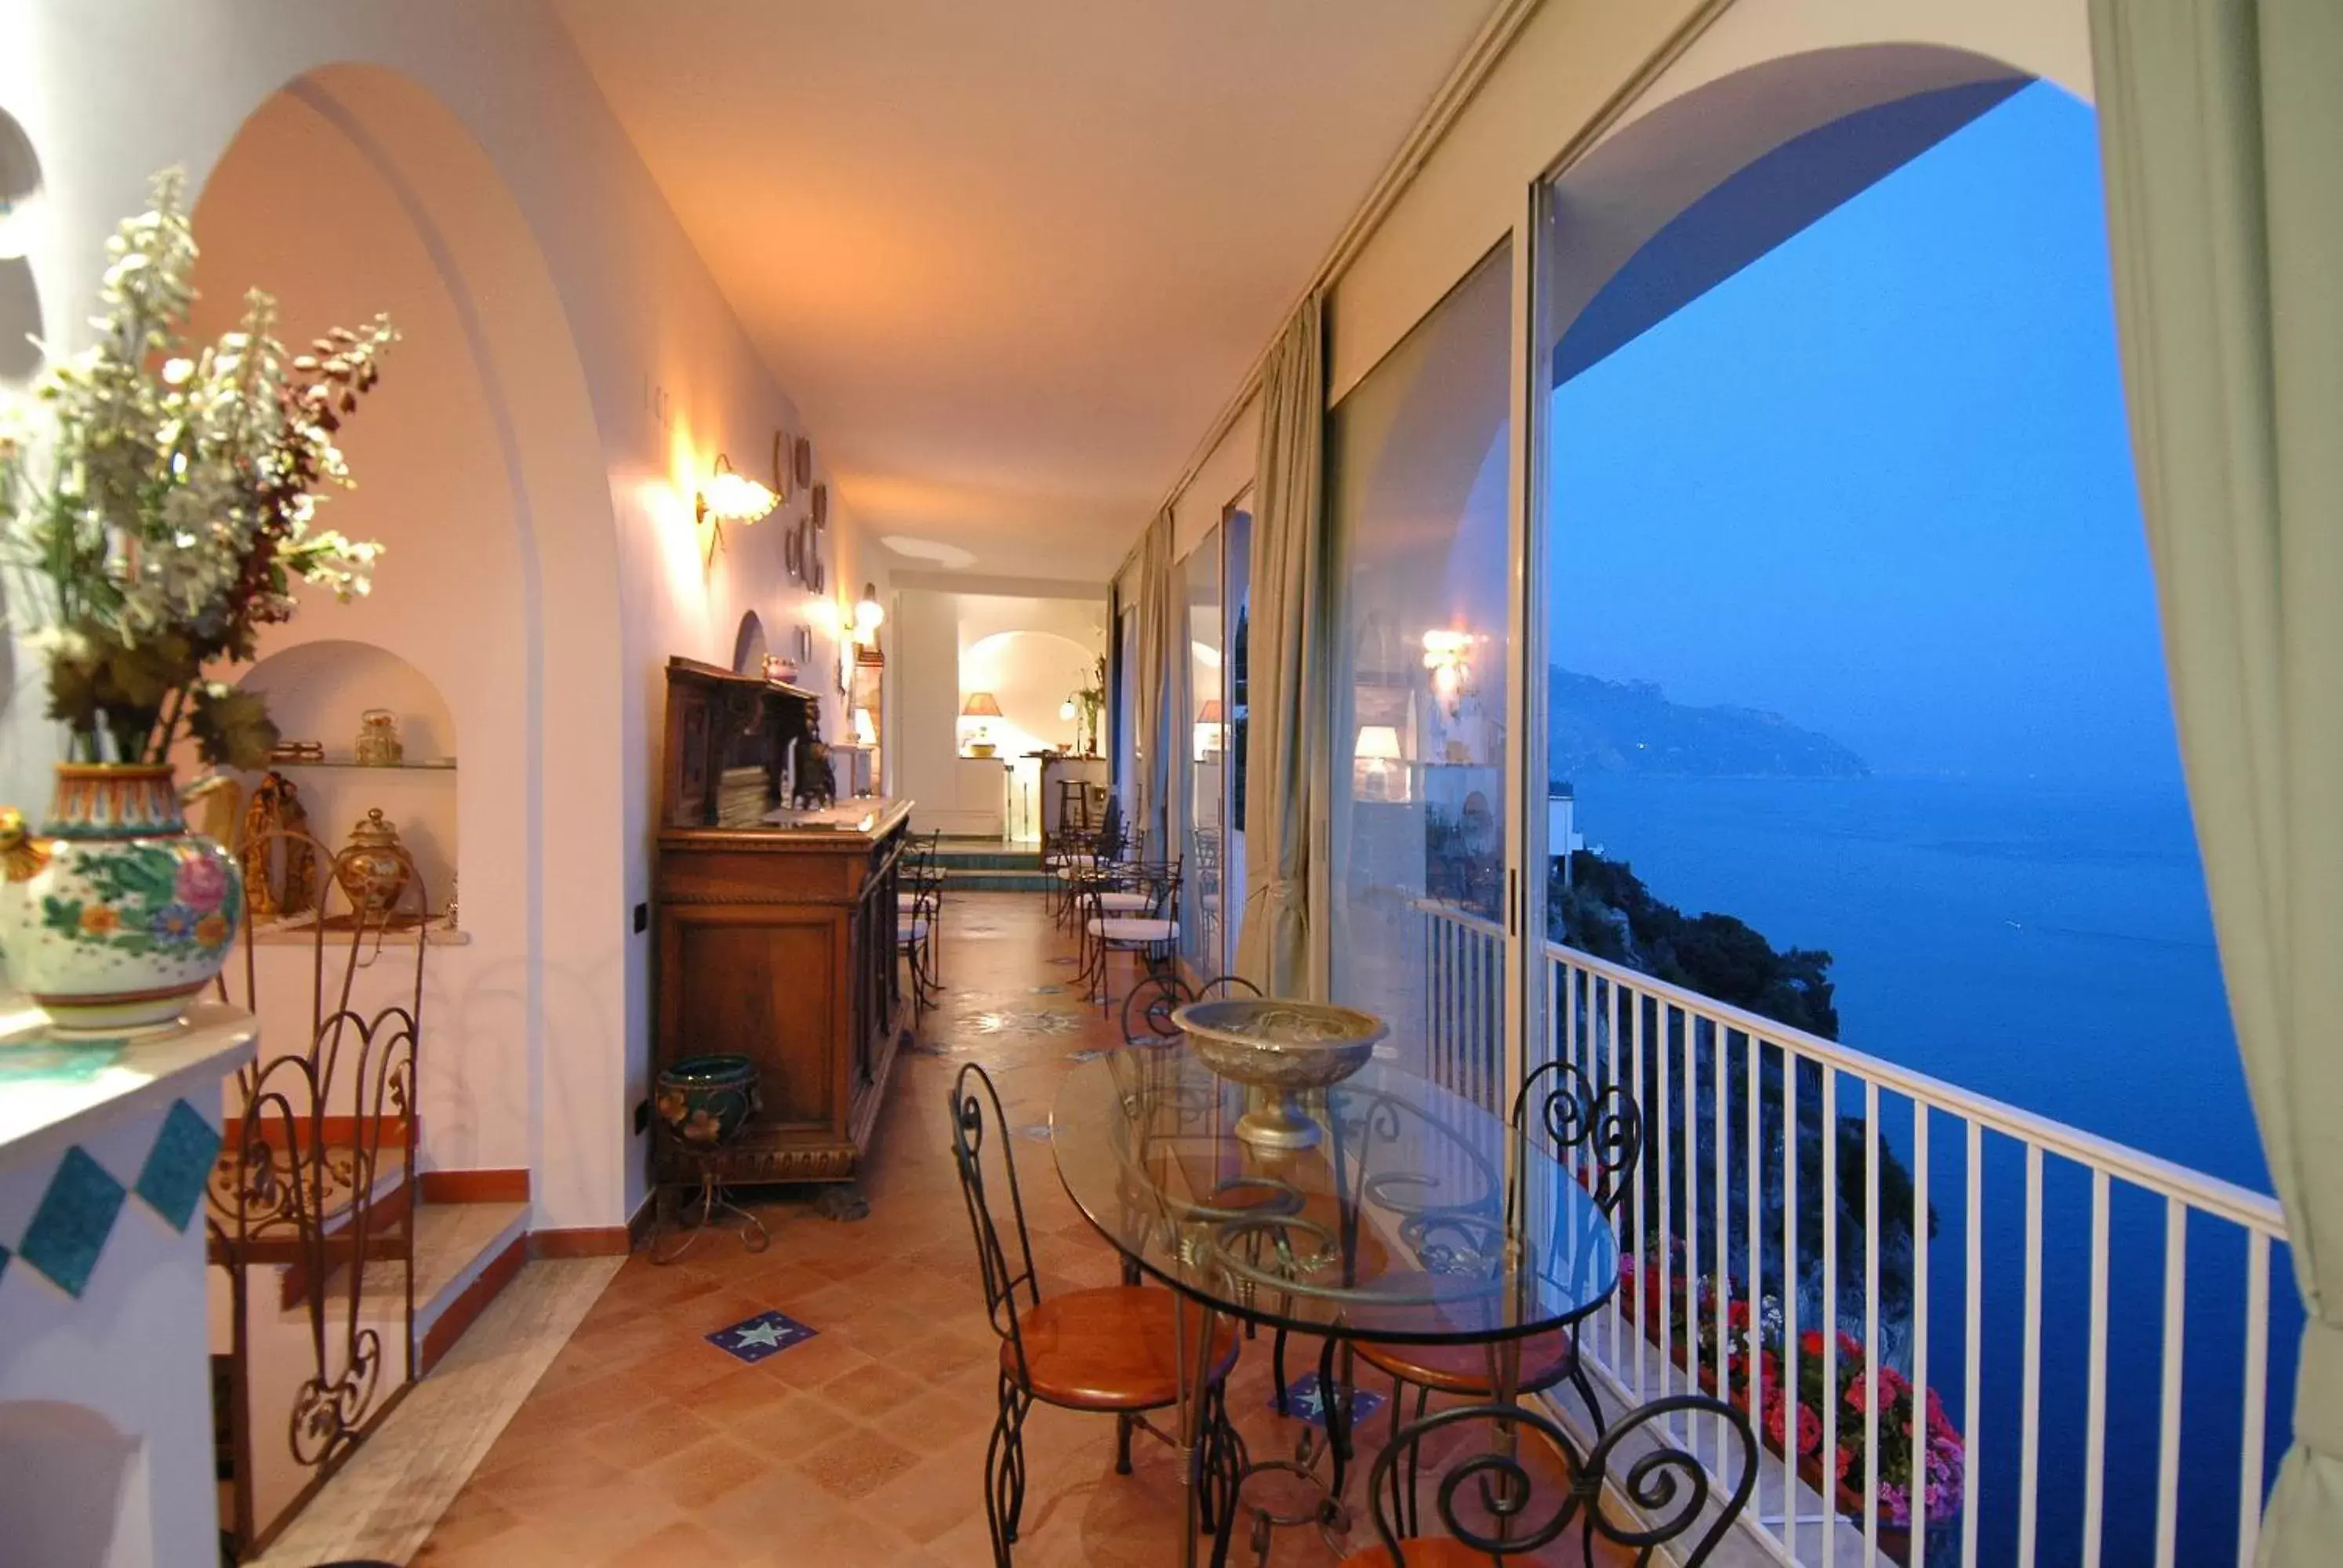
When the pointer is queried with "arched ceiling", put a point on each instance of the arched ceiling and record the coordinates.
(1011, 257)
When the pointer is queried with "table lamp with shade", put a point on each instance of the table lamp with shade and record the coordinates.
(981, 706)
(1208, 728)
(1373, 776)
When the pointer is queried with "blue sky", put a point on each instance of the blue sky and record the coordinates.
(1879, 481)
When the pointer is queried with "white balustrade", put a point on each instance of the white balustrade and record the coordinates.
(2158, 1278)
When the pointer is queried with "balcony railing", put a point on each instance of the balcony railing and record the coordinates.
(2109, 1396)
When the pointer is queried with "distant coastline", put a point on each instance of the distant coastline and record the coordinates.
(1597, 726)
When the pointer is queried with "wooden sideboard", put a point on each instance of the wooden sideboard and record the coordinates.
(776, 931)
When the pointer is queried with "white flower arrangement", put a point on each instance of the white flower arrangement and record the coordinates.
(178, 504)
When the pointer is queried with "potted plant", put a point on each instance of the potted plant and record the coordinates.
(168, 522)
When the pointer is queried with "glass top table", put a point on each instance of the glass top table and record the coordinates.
(1395, 1225)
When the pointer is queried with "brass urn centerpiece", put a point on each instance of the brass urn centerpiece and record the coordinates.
(1284, 1048)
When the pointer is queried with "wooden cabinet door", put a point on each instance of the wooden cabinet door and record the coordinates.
(765, 981)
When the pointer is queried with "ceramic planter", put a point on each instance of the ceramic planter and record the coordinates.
(115, 916)
(704, 1100)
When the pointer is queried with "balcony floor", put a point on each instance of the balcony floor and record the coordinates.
(643, 1443)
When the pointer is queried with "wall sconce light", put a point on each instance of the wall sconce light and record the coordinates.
(731, 498)
(867, 615)
(1444, 654)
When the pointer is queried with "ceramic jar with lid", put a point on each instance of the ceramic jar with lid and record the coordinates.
(378, 745)
(374, 869)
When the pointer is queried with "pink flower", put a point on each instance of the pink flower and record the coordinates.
(203, 883)
(1895, 1505)
(1810, 1431)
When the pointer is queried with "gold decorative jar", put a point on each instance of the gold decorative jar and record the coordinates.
(378, 745)
(374, 869)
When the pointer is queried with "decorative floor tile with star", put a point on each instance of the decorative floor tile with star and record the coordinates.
(1304, 1403)
(766, 1334)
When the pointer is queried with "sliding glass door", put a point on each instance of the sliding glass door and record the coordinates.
(1201, 734)
(1422, 766)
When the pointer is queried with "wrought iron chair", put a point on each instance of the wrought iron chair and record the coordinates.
(1487, 1501)
(1208, 897)
(1074, 842)
(1597, 1134)
(919, 877)
(919, 919)
(335, 1217)
(1147, 1011)
(1129, 909)
(1113, 1348)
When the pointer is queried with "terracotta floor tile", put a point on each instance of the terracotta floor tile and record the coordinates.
(678, 1544)
(548, 1476)
(856, 1462)
(656, 1429)
(816, 1361)
(871, 1391)
(696, 1476)
(802, 1423)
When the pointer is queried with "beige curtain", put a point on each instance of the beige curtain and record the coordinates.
(2222, 125)
(1285, 670)
(1162, 694)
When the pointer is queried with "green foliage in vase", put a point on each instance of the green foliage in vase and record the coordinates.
(174, 506)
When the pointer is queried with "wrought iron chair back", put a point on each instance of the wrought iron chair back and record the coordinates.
(1493, 1497)
(975, 1121)
(1596, 1133)
(287, 1195)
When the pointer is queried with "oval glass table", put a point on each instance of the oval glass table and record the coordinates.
(1417, 1217)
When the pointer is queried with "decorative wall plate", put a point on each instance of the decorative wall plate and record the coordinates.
(821, 505)
(803, 458)
(792, 553)
(785, 467)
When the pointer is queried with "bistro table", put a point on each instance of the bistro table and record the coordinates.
(1418, 1217)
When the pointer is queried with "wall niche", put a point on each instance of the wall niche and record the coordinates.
(320, 691)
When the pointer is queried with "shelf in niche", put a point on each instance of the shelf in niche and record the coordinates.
(288, 930)
(437, 765)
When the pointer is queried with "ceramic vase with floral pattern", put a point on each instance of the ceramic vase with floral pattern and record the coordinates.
(113, 916)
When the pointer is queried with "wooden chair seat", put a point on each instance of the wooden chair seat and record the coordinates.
(1113, 1348)
(1465, 1369)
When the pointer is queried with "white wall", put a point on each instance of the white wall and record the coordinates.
(612, 374)
(925, 663)
(1226, 472)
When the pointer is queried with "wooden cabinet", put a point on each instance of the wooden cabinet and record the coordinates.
(776, 934)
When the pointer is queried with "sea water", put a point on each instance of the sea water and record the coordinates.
(2048, 945)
